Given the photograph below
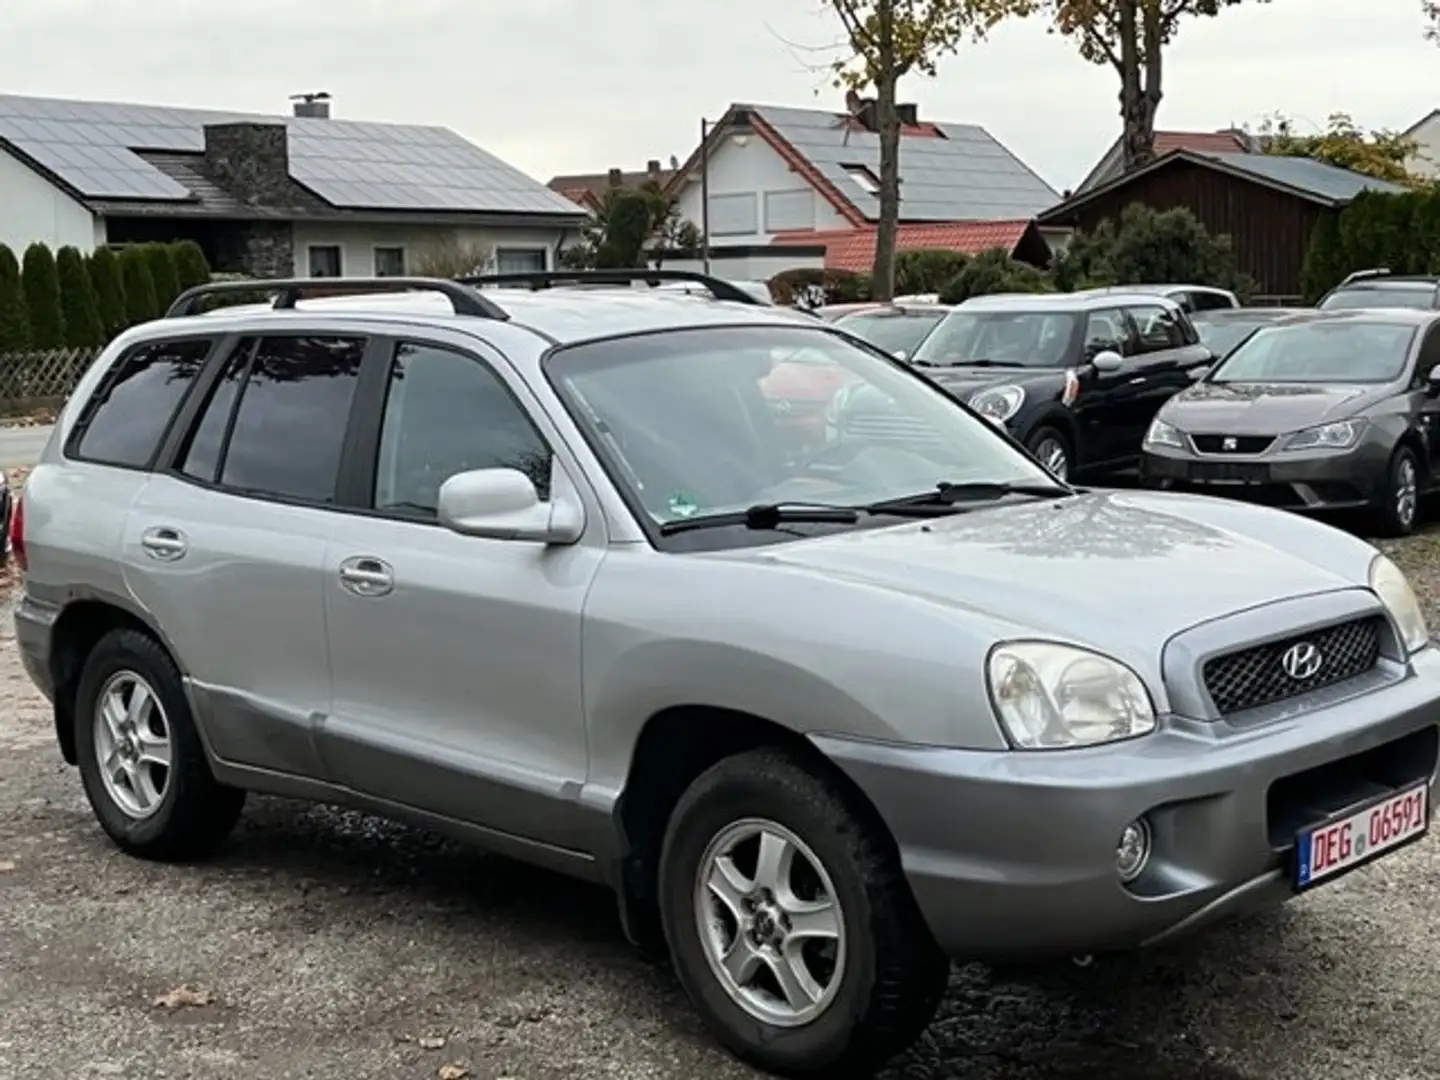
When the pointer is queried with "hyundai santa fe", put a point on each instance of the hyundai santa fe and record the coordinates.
(540, 567)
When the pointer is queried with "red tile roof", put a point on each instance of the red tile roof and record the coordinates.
(854, 249)
(1199, 142)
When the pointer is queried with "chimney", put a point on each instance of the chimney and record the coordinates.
(616, 178)
(314, 106)
(674, 163)
(652, 167)
(869, 115)
(909, 114)
(251, 161)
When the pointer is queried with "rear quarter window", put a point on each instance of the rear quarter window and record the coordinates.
(126, 419)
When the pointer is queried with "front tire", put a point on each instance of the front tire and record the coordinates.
(790, 924)
(1399, 508)
(1052, 449)
(141, 759)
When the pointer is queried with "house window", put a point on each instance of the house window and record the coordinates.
(389, 262)
(519, 260)
(325, 260)
(864, 178)
(735, 215)
(789, 210)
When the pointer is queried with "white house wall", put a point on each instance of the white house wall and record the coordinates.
(754, 194)
(357, 243)
(1426, 161)
(34, 210)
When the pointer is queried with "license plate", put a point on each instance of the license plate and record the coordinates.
(1229, 472)
(1324, 850)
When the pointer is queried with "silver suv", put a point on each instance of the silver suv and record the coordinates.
(827, 695)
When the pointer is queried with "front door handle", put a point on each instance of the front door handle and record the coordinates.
(365, 575)
(164, 543)
(1137, 380)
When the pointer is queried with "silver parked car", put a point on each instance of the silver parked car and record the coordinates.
(546, 570)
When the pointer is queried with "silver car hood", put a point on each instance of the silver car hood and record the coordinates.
(1122, 569)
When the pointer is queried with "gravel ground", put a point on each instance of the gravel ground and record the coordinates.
(329, 944)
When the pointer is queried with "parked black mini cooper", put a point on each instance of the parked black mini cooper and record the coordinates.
(1076, 378)
(1327, 410)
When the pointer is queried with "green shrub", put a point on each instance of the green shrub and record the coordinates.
(80, 310)
(141, 303)
(14, 319)
(191, 266)
(994, 271)
(162, 271)
(1148, 247)
(42, 297)
(809, 287)
(927, 270)
(1323, 265)
(109, 291)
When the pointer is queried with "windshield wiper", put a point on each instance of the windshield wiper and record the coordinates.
(983, 361)
(947, 494)
(766, 516)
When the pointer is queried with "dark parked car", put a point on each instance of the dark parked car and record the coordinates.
(1075, 377)
(1329, 410)
(1380, 289)
(1191, 298)
(1222, 329)
(898, 328)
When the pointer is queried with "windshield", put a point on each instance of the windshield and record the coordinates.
(1420, 295)
(892, 331)
(1346, 352)
(1222, 335)
(714, 420)
(1022, 338)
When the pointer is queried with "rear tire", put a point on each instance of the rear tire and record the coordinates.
(1052, 449)
(842, 917)
(141, 760)
(1398, 511)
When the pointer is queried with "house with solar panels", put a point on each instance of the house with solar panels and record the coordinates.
(800, 187)
(267, 196)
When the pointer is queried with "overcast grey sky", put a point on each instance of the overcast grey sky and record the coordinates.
(583, 85)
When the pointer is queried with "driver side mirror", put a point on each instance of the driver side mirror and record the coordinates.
(1432, 381)
(1107, 360)
(502, 504)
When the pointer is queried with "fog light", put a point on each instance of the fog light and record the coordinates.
(1133, 851)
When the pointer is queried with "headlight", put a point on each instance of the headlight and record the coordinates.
(1336, 436)
(1388, 582)
(999, 403)
(1054, 697)
(1163, 434)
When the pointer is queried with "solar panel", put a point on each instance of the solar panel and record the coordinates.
(349, 164)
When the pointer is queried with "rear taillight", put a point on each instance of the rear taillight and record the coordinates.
(17, 533)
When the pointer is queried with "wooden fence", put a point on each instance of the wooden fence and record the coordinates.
(32, 381)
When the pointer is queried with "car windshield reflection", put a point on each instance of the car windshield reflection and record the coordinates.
(1320, 352)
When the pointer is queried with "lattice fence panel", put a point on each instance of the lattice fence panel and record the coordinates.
(37, 378)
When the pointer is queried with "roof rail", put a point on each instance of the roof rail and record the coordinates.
(1363, 275)
(289, 291)
(549, 279)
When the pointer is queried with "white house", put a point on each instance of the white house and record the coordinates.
(1426, 134)
(271, 196)
(809, 178)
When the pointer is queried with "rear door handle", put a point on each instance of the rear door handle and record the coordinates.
(164, 543)
(365, 575)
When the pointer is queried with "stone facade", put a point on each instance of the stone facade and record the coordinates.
(260, 249)
(251, 162)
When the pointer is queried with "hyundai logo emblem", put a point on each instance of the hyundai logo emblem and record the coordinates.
(1302, 661)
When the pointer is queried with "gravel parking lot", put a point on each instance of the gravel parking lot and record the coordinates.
(329, 944)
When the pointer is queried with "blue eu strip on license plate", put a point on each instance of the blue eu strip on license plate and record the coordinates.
(1326, 849)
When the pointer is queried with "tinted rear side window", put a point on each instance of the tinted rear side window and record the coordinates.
(201, 456)
(126, 419)
(292, 408)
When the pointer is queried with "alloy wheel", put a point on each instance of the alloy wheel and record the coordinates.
(1407, 492)
(1051, 454)
(132, 744)
(770, 923)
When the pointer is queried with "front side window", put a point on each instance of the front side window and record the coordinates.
(1339, 352)
(895, 332)
(1040, 339)
(1420, 296)
(276, 420)
(447, 413)
(1105, 331)
(693, 422)
(1157, 328)
(133, 405)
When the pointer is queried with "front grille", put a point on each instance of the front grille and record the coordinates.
(1221, 444)
(1253, 677)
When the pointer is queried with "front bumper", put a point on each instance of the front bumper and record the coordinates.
(1305, 480)
(1011, 856)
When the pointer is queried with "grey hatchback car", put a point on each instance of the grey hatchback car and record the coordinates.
(1326, 410)
(538, 568)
